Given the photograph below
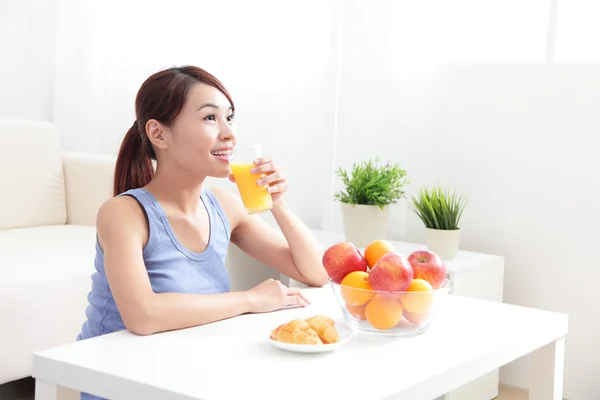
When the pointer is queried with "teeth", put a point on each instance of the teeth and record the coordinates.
(221, 152)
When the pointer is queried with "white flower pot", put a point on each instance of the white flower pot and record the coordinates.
(363, 223)
(444, 243)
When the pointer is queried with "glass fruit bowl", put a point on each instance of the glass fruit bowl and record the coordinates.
(384, 313)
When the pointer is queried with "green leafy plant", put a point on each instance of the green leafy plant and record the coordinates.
(372, 183)
(439, 208)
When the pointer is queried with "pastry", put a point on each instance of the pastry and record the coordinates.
(297, 331)
(275, 331)
(325, 328)
(319, 329)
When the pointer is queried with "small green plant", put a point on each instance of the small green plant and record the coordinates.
(439, 208)
(372, 183)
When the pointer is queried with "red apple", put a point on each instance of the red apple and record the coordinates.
(428, 266)
(341, 259)
(391, 273)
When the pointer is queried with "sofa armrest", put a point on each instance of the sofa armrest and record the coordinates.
(88, 184)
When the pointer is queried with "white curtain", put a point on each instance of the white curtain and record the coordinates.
(276, 58)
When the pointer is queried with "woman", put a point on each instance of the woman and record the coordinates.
(162, 240)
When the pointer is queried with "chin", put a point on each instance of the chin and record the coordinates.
(217, 168)
(222, 175)
(220, 172)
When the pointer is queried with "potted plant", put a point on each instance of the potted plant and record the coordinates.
(369, 190)
(440, 210)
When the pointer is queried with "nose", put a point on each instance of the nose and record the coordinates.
(227, 132)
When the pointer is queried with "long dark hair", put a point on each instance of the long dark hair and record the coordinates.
(161, 97)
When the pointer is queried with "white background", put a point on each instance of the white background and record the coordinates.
(498, 99)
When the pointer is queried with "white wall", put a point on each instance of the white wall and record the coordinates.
(518, 134)
(521, 142)
(27, 46)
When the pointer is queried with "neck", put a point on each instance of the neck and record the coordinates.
(176, 189)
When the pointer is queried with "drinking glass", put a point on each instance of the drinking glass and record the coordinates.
(256, 198)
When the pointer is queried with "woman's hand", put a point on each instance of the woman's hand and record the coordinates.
(272, 295)
(274, 179)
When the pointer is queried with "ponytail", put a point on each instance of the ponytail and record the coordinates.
(134, 163)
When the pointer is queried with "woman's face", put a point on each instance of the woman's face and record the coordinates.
(202, 135)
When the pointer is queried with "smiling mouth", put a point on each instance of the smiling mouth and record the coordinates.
(221, 153)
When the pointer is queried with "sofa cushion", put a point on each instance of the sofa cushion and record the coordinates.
(88, 184)
(45, 277)
(33, 188)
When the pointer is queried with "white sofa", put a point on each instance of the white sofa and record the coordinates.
(48, 204)
(48, 209)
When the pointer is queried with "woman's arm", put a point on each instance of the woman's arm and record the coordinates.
(122, 233)
(296, 253)
(306, 252)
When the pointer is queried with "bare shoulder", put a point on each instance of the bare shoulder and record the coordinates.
(232, 205)
(120, 210)
(119, 218)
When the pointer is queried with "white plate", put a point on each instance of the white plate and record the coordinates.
(344, 335)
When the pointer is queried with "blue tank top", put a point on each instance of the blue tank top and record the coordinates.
(171, 266)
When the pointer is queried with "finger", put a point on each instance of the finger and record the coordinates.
(298, 292)
(303, 296)
(265, 168)
(262, 160)
(278, 188)
(294, 299)
(232, 178)
(271, 178)
(293, 290)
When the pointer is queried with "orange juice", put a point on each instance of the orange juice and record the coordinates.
(256, 198)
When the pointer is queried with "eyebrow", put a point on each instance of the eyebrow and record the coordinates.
(210, 105)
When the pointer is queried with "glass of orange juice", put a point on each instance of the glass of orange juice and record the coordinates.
(256, 198)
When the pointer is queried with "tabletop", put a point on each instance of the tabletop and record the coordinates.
(233, 359)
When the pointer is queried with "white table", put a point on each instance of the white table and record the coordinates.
(232, 359)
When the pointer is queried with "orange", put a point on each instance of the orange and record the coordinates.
(417, 319)
(356, 311)
(383, 312)
(356, 289)
(375, 250)
(420, 300)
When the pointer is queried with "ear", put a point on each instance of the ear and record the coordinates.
(157, 134)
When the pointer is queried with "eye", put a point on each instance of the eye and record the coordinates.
(231, 117)
(210, 117)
